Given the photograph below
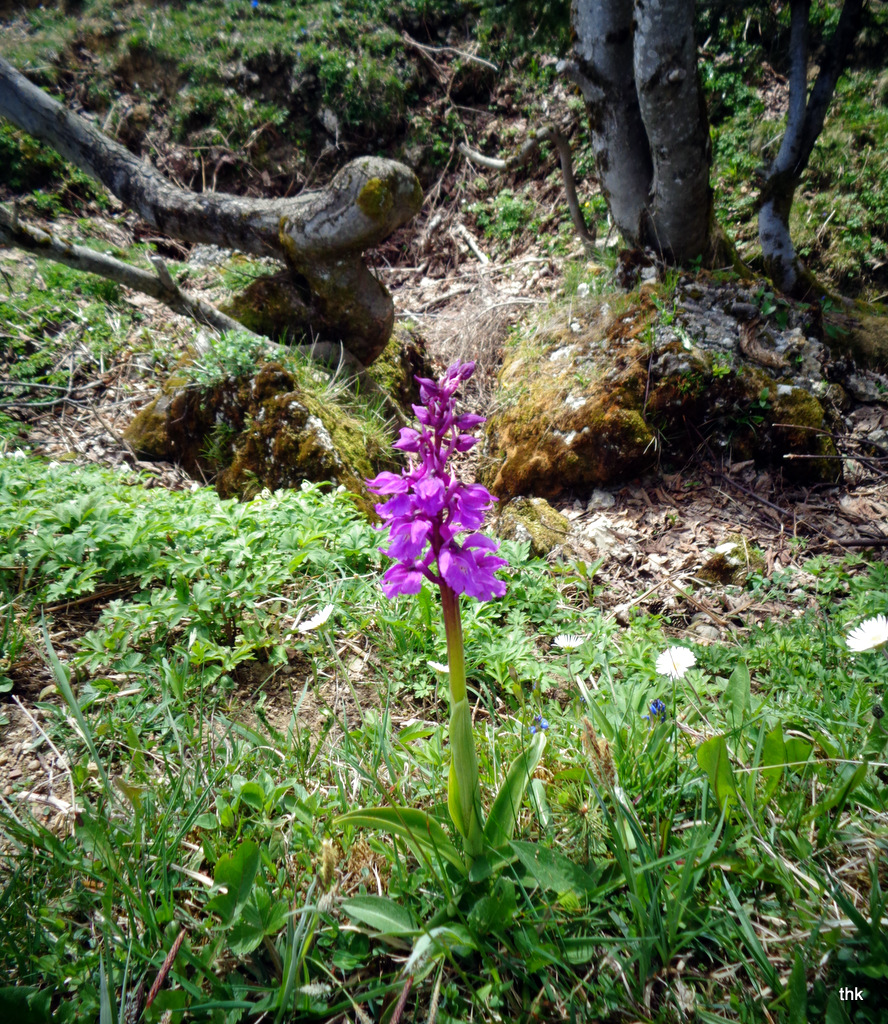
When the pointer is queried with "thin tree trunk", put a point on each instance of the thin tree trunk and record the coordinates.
(805, 119)
(604, 70)
(636, 64)
(319, 235)
(674, 114)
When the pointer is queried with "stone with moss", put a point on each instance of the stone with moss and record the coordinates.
(260, 431)
(602, 399)
(732, 562)
(534, 521)
(404, 358)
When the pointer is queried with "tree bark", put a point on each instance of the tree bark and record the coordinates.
(674, 114)
(604, 70)
(319, 235)
(804, 122)
(636, 64)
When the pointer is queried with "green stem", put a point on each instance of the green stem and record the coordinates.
(455, 653)
(464, 798)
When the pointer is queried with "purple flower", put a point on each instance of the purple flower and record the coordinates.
(428, 507)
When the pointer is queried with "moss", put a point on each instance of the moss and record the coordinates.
(375, 200)
(864, 336)
(147, 434)
(393, 371)
(798, 428)
(274, 306)
(533, 520)
(731, 562)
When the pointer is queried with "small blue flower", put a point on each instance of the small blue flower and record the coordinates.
(540, 725)
(658, 710)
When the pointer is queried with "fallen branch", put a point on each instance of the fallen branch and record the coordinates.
(466, 236)
(162, 287)
(548, 133)
(319, 236)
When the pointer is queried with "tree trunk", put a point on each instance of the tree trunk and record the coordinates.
(636, 64)
(804, 123)
(319, 235)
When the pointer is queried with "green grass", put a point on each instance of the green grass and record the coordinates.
(717, 855)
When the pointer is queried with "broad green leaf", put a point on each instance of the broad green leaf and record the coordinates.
(773, 759)
(798, 753)
(580, 949)
(501, 823)
(381, 913)
(454, 803)
(553, 870)
(713, 758)
(261, 916)
(798, 991)
(253, 795)
(848, 782)
(737, 695)
(540, 803)
(494, 912)
(26, 1005)
(436, 941)
(415, 827)
(236, 871)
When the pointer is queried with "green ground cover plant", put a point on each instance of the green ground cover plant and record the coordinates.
(689, 821)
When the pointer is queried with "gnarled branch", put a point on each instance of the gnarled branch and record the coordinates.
(33, 239)
(319, 235)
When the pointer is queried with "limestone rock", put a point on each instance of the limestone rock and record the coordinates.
(607, 396)
(255, 432)
(533, 520)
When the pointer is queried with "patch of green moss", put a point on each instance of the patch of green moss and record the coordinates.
(535, 521)
(272, 306)
(375, 199)
(799, 429)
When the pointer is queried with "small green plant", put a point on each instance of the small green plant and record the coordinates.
(721, 367)
(229, 355)
(504, 216)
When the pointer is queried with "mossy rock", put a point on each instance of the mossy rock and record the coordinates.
(533, 520)
(799, 434)
(275, 434)
(274, 306)
(582, 407)
(731, 563)
(404, 358)
(147, 435)
(864, 336)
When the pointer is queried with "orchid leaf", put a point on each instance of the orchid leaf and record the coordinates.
(421, 833)
(504, 814)
(382, 914)
(714, 759)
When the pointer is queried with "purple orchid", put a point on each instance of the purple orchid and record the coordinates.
(428, 507)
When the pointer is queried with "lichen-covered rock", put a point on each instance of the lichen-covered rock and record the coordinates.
(273, 306)
(533, 520)
(261, 431)
(608, 396)
(393, 372)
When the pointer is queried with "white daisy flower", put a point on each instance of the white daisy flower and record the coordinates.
(316, 620)
(675, 662)
(569, 641)
(438, 667)
(869, 634)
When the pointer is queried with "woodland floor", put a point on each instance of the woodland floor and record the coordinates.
(655, 534)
